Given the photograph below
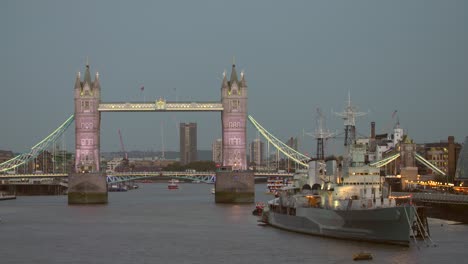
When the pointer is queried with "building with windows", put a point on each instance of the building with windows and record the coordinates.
(443, 155)
(256, 152)
(292, 143)
(217, 150)
(461, 172)
(188, 143)
(5, 155)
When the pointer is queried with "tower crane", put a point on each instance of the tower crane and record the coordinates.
(123, 147)
(124, 164)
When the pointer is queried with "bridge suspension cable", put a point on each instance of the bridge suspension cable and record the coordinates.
(383, 162)
(418, 157)
(428, 164)
(285, 149)
(38, 148)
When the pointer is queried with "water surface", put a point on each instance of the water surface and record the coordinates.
(156, 225)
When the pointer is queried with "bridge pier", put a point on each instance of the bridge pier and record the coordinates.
(87, 188)
(235, 187)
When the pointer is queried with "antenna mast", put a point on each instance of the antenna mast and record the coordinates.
(321, 134)
(349, 116)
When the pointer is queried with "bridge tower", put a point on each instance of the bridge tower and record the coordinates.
(234, 120)
(87, 185)
(87, 123)
(236, 185)
(408, 171)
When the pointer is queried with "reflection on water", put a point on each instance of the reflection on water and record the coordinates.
(156, 225)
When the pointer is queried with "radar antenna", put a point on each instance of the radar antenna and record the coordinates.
(349, 116)
(321, 134)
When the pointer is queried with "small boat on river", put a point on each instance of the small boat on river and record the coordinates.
(362, 256)
(173, 185)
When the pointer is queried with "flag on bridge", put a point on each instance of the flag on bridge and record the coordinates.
(142, 88)
(394, 113)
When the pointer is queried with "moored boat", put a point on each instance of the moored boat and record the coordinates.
(118, 188)
(7, 196)
(362, 256)
(173, 185)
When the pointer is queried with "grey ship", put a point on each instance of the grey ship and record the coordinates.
(356, 206)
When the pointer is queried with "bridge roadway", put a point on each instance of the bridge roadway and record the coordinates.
(129, 176)
(438, 198)
(159, 106)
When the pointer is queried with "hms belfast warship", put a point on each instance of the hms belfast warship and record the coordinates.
(355, 203)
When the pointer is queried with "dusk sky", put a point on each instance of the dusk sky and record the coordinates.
(409, 56)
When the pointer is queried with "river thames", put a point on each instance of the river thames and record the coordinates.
(155, 225)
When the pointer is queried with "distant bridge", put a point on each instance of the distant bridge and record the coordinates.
(202, 176)
(33, 176)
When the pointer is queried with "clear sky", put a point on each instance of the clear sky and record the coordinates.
(409, 56)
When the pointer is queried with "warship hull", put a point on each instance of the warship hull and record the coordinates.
(383, 225)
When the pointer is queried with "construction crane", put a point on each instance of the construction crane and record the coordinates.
(124, 164)
(124, 153)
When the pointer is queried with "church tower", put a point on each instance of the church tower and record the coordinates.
(87, 123)
(234, 118)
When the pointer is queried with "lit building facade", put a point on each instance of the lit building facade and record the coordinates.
(443, 155)
(461, 172)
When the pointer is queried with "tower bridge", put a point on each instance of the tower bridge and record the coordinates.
(87, 185)
(88, 107)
